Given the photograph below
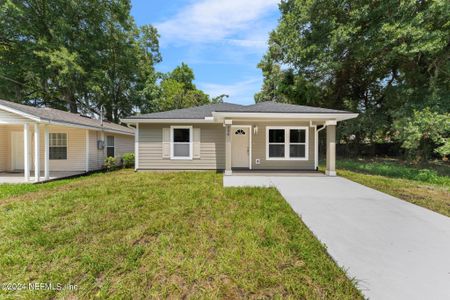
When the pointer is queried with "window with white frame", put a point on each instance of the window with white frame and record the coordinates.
(181, 142)
(110, 152)
(287, 143)
(57, 146)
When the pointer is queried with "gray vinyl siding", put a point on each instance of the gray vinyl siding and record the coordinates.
(212, 148)
(259, 149)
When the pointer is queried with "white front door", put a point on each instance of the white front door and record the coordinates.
(240, 150)
(17, 155)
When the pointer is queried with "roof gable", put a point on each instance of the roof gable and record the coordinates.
(56, 115)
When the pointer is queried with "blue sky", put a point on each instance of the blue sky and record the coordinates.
(222, 40)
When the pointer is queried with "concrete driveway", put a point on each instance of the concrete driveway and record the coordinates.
(394, 249)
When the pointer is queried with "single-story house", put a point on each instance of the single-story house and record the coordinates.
(225, 136)
(50, 140)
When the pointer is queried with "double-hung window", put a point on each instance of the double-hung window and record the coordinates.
(110, 146)
(287, 143)
(57, 146)
(181, 142)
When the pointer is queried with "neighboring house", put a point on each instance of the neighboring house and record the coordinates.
(225, 136)
(48, 140)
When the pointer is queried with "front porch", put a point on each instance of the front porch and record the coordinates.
(278, 147)
(17, 177)
(25, 152)
(265, 178)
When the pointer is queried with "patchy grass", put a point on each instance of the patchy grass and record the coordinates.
(434, 173)
(8, 190)
(403, 181)
(163, 235)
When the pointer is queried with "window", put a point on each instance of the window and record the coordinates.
(287, 143)
(110, 146)
(181, 142)
(57, 146)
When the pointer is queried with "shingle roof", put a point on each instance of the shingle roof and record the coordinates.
(276, 107)
(56, 115)
(200, 112)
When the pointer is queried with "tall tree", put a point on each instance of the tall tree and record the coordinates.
(385, 59)
(177, 90)
(76, 55)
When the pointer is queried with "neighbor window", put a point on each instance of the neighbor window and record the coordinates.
(110, 146)
(287, 143)
(57, 146)
(181, 142)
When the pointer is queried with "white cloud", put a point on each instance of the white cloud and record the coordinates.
(213, 20)
(241, 92)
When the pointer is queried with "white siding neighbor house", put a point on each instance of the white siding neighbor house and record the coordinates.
(44, 143)
(225, 136)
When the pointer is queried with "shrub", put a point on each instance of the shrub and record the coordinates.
(128, 160)
(110, 163)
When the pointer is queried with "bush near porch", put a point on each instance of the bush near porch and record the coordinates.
(157, 235)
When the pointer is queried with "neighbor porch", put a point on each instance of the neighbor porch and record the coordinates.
(25, 152)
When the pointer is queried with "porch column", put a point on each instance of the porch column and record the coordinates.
(136, 148)
(26, 151)
(331, 150)
(316, 148)
(228, 148)
(37, 153)
(46, 154)
(87, 151)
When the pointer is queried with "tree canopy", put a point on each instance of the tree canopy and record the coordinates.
(82, 56)
(385, 59)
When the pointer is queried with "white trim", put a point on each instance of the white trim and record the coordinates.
(20, 113)
(37, 152)
(52, 122)
(307, 116)
(191, 142)
(287, 142)
(113, 146)
(67, 144)
(99, 128)
(136, 147)
(218, 117)
(316, 148)
(26, 151)
(250, 133)
(46, 153)
(172, 121)
(87, 150)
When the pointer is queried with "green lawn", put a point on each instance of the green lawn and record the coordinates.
(159, 235)
(427, 185)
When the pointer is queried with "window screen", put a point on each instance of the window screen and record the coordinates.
(57, 146)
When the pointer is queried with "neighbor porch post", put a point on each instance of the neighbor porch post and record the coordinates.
(46, 154)
(228, 147)
(87, 151)
(26, 151)
(136, 148)
(37, 152)
(331, 149)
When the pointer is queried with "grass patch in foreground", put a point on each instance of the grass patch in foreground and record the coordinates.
(9, 190)
(159, 235)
